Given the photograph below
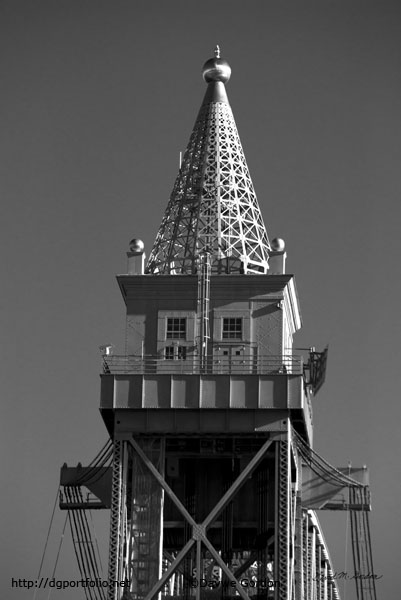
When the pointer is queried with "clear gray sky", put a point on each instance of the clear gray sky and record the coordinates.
(97, 100)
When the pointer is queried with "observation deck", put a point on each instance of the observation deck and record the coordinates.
(227, 394)
(287, 364)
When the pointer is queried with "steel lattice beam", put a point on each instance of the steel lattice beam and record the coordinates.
(115, 519)
(213, 206)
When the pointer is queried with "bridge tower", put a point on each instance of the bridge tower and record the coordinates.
(209, 404)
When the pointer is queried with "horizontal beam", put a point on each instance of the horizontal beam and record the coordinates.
(83, 506)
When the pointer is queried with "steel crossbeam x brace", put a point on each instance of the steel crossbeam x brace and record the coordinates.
(199, 530)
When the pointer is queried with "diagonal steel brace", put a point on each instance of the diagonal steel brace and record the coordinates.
(199, 531)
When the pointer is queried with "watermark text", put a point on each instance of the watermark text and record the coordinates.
(63, 584)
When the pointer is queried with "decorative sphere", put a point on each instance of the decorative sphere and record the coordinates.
(136, 245)
(216, 69)
(278, 245)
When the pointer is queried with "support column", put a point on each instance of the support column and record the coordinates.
(136, 526)
(116, 518)
(318, 559)
(282, 520)
(307, 544)
(299, 562)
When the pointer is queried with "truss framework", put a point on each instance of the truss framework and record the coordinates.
(116, 518)
(301, 563)
(213, 206)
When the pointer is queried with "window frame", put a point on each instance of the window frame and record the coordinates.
(178, 330)
(229, 313)
(232, 328)
(175, 352)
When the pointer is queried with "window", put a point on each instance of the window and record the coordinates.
(170, 353)
(181, 353)
(175, 353)
(176, 328)
(232, 328)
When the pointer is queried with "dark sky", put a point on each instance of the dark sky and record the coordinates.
(97, 100)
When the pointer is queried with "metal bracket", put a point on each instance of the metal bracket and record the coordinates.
(198, 532)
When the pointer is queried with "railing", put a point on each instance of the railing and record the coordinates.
(286, 364)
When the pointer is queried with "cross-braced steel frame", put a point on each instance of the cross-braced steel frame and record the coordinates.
(198, 537)
(298, 561)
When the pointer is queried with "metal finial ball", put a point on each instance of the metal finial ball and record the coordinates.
(137, 246)
(278, 245)
(216, 69)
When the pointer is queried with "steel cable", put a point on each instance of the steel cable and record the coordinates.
(77, 546)
(83, 541)
(47, 539)
(97, 463)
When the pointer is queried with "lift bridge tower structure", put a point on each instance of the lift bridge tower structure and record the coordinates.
(214, 481)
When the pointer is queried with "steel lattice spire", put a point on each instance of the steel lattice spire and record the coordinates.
(213, 207)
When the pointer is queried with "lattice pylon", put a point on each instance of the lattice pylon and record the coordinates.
(213, 206)
(116, 519)
(282, 520)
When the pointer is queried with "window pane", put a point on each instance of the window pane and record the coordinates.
(176, 328)
(170, 352)
(175, 353)
(232, 328)
(182, 353)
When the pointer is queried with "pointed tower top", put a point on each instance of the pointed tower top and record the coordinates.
(213, 208)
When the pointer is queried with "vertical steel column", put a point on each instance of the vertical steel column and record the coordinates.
(299, 559)
(263, 519)
(116, 519)
(318, 559)
(325, 576)
(312, 559)
(282, 521)
(306, 557)
(143, 502)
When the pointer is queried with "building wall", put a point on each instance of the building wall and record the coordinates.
(267, 306)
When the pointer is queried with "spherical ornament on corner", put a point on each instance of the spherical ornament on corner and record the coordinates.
(278, 245)
(137, 246)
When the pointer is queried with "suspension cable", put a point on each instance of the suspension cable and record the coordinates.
(83, 541)
(88, 541)
(77, 547)
(101, 451)
(97, 472)
(83, 544)
(102, 457)
(47, 540)
(58, 554)
(96, 542)
(313, 457)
